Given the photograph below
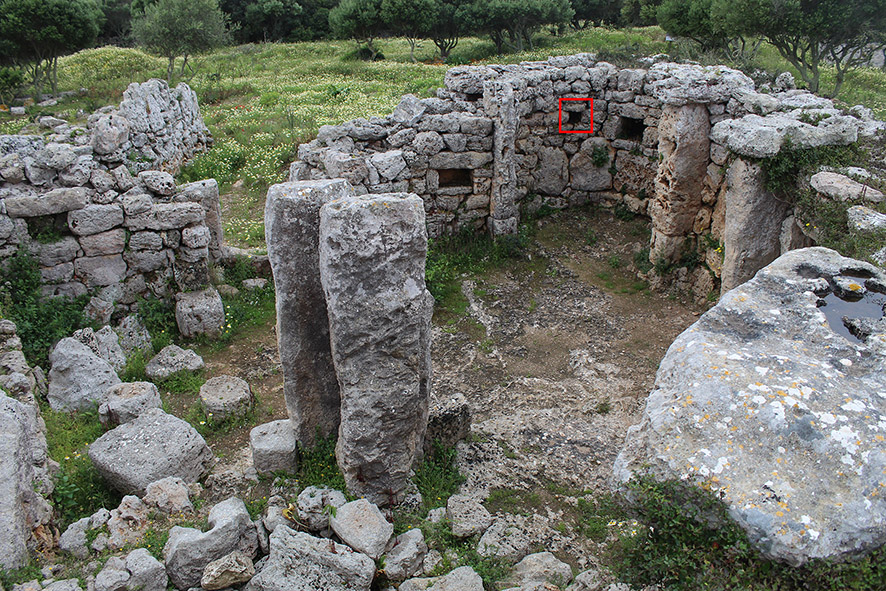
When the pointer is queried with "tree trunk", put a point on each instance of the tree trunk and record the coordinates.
(54, 63)
(411, 42)
(170, 69)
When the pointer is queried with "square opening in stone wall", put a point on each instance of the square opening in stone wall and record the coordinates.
(631, 129)
(473, 97)
(575, 117)
(454, 177)
(47, 229)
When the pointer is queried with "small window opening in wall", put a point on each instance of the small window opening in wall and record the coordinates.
(455, 177)
(473, 97)
(575, 117)
(632, 129)
(47, 229)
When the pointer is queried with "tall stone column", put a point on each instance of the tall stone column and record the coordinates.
(684, 147)
(292, 220)
(500, 104)
(754, 217)
(372, 265)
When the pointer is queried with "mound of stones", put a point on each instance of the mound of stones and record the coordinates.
(775, 400)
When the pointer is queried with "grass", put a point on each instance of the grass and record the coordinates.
(79, 489)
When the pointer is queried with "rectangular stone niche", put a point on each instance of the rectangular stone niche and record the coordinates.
(454, 177)
(631, 129)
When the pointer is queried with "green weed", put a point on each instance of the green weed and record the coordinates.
(437, 477)
(317, 466)
(182, 382)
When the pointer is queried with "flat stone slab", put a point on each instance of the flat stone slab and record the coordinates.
(273, 447)
(768, 401)
(151, 447)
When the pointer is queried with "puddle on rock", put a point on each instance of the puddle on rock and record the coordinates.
(870, 305)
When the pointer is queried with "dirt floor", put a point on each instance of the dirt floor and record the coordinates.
(555, 354)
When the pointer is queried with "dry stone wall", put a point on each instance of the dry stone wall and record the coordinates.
(96, 210)
(489, 147)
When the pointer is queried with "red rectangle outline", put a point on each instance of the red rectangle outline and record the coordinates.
(560, 115)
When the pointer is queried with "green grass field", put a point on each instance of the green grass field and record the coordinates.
(261, 100)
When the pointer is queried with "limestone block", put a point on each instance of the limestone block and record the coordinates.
(801, 433)
(94, 219)
(52, 202)
(273, 447)
(372, 259)
(292, 219)
(151, 447)
(78, 378)
(200, 313)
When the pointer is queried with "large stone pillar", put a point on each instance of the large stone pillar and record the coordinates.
(372, 265)
(500, 103)
(292, 220)
(684, 147)
(754, 218)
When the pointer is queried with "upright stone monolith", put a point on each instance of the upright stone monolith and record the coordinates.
(292, 219)
(372, 266)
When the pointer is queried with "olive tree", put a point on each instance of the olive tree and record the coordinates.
(414, 19)
(360, 20)
(175, 28)
(34, 33)
(514, 21)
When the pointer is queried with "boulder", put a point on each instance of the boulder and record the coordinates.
(109, 134)
(146, 573)
(467, 515)
(313, 505)
(151, 447)
(24, 512)
(169, 495)
(226, 396)
(865, 219)
(73, 540)
(541, 567)
(127, 523)
(172, 359)
(189, 550)
(200, 313)
(372, 267)
(449, 421)
(105, 343)
(133, 335)
(292, 219)
(406, 556)
(362, 526)
(464, 578)
(301, 562)
(229, 570)
(127, 401)
(78, 378)
(768, 401)
(842, 188)
(273, 447)
(159, 182)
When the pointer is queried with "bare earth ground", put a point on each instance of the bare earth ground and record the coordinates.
(555, 355)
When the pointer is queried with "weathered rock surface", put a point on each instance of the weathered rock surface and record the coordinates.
(313, 506)
(865, 219)
(292, 220)
(169, 495)
(842, 188)
(767, 401)
(229, 570)
(372, 259)
(541, 567)
(125, 402)
(189, 550)
(23, 510)
(464, 578)
(78, 378)
(172, 359)
(127, 523)
(467, 515)
(226, 396)
(406, 556)
(362, 526)
(139, 571)
(200, 313)
(273, 447)
(301, 562)
(151, 447)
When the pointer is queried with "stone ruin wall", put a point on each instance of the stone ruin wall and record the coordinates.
(118, 225)
(677, 143)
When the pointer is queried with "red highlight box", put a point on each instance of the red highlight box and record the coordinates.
(560, 115)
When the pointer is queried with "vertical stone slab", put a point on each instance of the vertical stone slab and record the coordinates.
(684, 146)
(754, 218)
(372, 265)
(292, 219)
(500, 104)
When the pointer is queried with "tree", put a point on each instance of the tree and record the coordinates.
(360, 20)
(414, 19)
(809, 32)
(589, 12)
(514, 21)
(696, 20)
(271, 20)
(37, 32)
(118, 21)
(175, 28)
(639, 13)
(450, 23)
